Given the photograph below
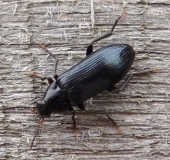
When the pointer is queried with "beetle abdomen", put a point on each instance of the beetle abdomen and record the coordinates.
(97, 72)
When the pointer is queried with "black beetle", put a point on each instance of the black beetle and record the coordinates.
(99, 71)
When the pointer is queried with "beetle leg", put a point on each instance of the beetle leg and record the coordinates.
(90, 46)
(116, 90)
(32, 74)
(56, 59)
(113, 89)
(101, 112)
(74, 121)
(81, 106)
(114, 123)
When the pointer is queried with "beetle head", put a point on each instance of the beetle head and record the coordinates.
(54, 100)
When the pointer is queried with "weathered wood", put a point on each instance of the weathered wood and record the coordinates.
(66, 28)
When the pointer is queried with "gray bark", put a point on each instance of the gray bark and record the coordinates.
(66, 28)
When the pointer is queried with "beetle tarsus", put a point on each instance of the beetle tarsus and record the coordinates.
(114, 123)
(41, 120)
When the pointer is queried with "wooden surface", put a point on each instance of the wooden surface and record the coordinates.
(66, 28)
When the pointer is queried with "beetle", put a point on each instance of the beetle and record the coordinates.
(100, 70)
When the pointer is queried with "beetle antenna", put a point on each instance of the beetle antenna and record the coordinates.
(35, 135)
(37, 131)
(10, 108)
(115, 23)
(56, 59)
(43, 47)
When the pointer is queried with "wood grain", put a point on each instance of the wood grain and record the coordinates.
(66, 27)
